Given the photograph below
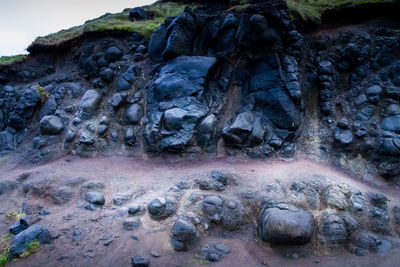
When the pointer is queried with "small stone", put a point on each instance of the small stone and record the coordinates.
(96, 198)
(131, 224)
(213, 257)
(90, 207)
(133, 209)
(107, 242)
(155, 254)
(90, 254)
(140, 261)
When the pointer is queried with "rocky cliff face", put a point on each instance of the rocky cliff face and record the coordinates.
(213, 81)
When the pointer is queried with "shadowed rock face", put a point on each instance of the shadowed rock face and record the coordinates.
(215, 81)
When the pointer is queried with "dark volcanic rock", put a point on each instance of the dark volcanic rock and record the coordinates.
(285, 224)
(89, 104)
(140, 261)
(184, 235)
(139, 14)
(96, 198)
(21, 241)
(51, 125)
(161, 208)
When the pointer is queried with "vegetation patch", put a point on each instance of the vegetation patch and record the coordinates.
(7, 60)
(197, 260)
(43, 93)
(32, 247)
(118, 21)
(4, 250)
(313, 9)
(15, 215)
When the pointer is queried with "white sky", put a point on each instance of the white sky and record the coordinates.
(21, 21)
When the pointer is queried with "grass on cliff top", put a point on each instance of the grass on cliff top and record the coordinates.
(313, 9)
(117, 21)
(7, 60)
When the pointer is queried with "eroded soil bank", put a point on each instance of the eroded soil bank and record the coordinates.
(97, 238)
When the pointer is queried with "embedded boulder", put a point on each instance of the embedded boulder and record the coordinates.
(285, 224)
(51, 125)
(89, 104)
(22, 240)
(184, 234)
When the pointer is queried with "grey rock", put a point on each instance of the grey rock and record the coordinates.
(96, 198)
(133, 114)
(184, 235)
(21, 241)
(51, 125)
(7, 186)
(7, 141)
(212, 208)
(333, 229)
(337, 196)
(62, 195)
(131, 224)
(140, 261)
(161, 208)
(89, 104)
(285, 224)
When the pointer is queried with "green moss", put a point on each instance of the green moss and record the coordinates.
(118, 21)
(32, 247)
(7, 60)
(15, 215)
(43, 93)
(238, 7)
(4, 259)
(313, 9)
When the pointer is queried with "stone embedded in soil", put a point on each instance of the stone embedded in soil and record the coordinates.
(133, 208)
(184, 234)
(131, 224)
(140, 261)
(161, 208)
(51, 125)
(285, 224)
(212, 208)
(214, 251)
(33, 233)
(96, 198)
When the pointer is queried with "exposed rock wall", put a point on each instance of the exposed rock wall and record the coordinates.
(214, 81)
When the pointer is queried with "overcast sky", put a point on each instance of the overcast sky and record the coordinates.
(21, 21)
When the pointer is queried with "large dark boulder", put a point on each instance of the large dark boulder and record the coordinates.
(139, 14)
(333, 229)
(112, 54)
(279, 108)
(184, 235)
(22, 240)
(285, 224)
(158, 41)
(255, 32)
(183, 76)
(182, 33)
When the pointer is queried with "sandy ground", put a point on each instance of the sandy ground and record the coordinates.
(155, 176)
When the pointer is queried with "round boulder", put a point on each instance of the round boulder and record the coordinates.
(51, 125)
(184, 233)
(96, 198)
(285, 224)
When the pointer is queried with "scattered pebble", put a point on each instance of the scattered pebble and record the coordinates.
(155, 254)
